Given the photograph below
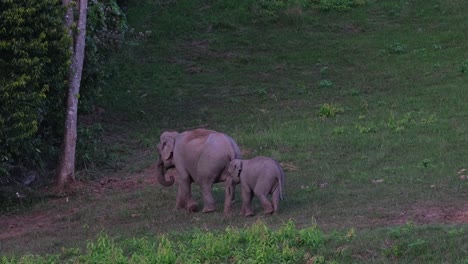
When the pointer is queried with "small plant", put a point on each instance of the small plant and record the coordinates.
(350, 235)
(325, 84)
(339, 130)
(432, 119)
(324, 71)
(437, 46)
(302, 88)
(355, 92)
(330, 110)
(366, 129)
(397, 48)
(463, 67)
(400, 231)
(399, 124)
(425, 163)
(261, 92)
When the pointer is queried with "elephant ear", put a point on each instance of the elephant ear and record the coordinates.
(167, 149)
(231, 168)
(228, 182)
(236, 169)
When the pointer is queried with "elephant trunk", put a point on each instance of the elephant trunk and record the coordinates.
(161, 172)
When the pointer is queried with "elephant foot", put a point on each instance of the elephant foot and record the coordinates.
(268, 209)
(246, 212)
(249, 214)
(228, 210)
(228, 213)
(268, 212)
(208, 209)
(192, 206)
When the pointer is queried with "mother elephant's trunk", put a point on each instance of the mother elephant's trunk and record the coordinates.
(161, 172)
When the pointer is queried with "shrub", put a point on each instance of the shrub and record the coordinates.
(34, 63)
(34, 59)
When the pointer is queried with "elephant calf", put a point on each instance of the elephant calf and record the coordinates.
(260, 176)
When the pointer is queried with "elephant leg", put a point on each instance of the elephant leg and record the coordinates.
(184, 198)
(262, 196)
(247, 196)
(275, 197)
(229, 196)
(208, 199)
(266, 204)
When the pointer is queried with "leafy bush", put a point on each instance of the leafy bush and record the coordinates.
(34, 63)
(34, 59)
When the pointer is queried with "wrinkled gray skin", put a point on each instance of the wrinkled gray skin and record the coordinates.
(260, 176)
(200, 156)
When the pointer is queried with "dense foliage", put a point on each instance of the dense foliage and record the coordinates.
(34, 59)
(34, 63)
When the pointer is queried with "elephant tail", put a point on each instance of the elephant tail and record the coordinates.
(235, 150)
(280, 180)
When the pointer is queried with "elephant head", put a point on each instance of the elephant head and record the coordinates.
(165, 157)
(234, 170)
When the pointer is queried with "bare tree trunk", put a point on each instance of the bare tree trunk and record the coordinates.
(65, 173)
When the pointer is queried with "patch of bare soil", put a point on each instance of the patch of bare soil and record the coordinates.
(422, 214)
(434, 214)
(49, 219)
(17, 225)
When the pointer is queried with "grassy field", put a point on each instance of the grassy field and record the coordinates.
(365, 108)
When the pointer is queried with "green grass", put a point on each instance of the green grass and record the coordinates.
(366, 109)
(260, 244)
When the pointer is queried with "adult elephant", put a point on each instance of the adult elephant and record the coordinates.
(200, 156)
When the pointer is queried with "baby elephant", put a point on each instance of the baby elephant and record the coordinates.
(260, 176)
